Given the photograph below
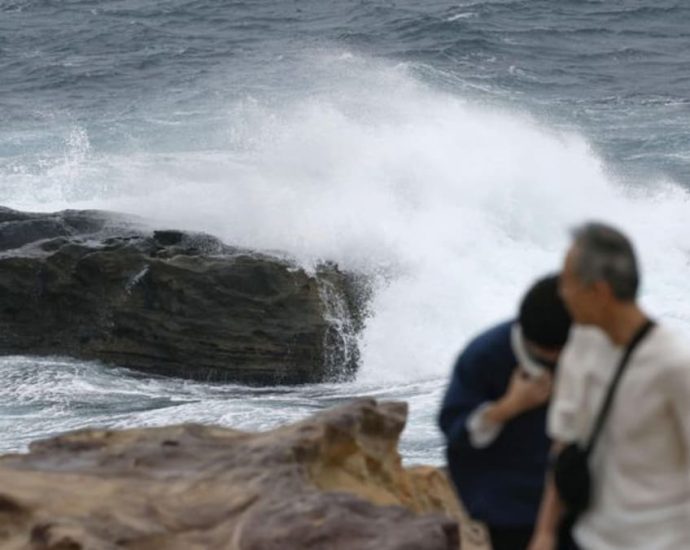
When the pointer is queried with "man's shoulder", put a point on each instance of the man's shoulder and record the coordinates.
(671, 346)
(586, 335)
(491, 343)
(584, 343)
(497, 335)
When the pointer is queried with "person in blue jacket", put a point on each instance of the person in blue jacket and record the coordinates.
(494, 416)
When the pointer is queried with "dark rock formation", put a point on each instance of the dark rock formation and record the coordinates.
(96, 285)
(331, 482)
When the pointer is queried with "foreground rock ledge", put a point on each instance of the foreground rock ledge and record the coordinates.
(99, 285)
(331, 482)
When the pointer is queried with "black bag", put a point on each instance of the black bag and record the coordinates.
(572, 479)
(571, 469)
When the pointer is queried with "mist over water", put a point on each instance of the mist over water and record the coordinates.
(452, 201)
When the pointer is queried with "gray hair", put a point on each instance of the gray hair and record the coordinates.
(605, 254)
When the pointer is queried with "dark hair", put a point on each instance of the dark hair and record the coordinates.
(543, 318)
(605, 254)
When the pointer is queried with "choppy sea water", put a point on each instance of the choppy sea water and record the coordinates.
(442, 148)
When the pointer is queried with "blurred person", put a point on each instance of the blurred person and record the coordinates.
(639, 468)
(494, 416)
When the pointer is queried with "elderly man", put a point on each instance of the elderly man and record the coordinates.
(494, 416)
(640, 464)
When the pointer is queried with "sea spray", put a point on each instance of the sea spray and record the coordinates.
(450, 207)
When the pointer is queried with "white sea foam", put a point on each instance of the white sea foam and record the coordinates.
(451, 207)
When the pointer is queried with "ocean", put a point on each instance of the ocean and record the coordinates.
(444, 149)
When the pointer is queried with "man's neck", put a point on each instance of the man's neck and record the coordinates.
(623, 322)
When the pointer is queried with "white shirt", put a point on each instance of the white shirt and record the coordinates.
(482, 432)
(641, 463)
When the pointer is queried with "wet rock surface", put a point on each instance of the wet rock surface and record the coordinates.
(99, 285)
(333, 481)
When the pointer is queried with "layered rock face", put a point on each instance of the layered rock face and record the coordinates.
(334, 481)
(95, 285)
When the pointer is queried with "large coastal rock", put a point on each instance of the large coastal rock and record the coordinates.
(96, 285)
(332, 482)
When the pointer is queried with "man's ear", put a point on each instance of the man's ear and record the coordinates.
(603, 291)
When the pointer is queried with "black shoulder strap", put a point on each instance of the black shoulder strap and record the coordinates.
(603, 413)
